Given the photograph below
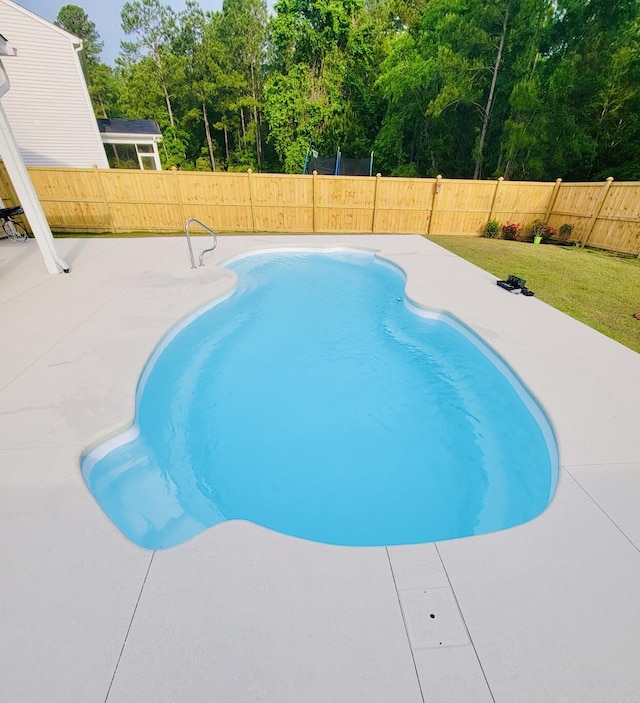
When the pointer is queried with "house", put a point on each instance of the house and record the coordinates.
(48, 106)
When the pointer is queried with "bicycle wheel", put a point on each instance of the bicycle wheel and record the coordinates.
(15, 231)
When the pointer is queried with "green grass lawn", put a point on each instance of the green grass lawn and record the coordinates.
(600, 289)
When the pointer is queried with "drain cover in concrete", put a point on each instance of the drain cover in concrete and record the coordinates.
(433, 618)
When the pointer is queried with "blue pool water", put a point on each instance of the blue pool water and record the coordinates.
(315, 401)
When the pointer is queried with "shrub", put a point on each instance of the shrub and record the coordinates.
(539, 228)
(406, 171)
(511, 231)
(565, 232)
(492, 229)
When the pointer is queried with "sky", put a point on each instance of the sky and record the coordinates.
(105, 14)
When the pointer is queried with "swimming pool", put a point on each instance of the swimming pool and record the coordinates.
(317, 401)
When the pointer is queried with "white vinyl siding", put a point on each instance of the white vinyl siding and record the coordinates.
(48, 104)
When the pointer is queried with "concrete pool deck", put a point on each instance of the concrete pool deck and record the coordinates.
(545, 612)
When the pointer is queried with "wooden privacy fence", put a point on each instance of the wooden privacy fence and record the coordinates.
(605, 215)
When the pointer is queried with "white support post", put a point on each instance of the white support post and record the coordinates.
(156, 155)
(27, 196)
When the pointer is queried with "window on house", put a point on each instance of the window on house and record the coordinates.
(148, 162)
(122, 155)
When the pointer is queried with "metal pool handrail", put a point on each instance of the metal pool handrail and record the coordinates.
(204, 251)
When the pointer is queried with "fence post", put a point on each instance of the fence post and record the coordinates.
(437, 187)
(314, 176)
(178, 192)
(253, 214)
(103, 192)
(552, 199)
(596, 211)
(492, 212)
(375, 204)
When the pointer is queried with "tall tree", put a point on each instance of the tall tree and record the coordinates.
(592, 74)
(220, 90)
(189, 43)
(453, 74)
(465, 41)
(437, 74)
(316, 45)
(153, 27)
(104, 90)
(520, 134)
(76, 21)
(243, 30)
(103, 85)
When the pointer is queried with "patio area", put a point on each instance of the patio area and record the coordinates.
(545, 612)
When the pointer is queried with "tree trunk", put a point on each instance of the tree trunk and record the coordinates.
(501, 159)
(226, 145)
(244, 129)
(434, 161)
(255, 118)
(207, 131)
(421, 134)
(168, 101)
(416, 125)
(492, 89)
(507, 170)
(103, 108)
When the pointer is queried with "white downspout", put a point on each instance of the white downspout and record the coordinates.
(26, 193)
(77, 47)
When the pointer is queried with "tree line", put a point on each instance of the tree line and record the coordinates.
(524, 89)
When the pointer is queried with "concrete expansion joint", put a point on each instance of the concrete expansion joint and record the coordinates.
(133, 615)
(465, 623)
(395, 585)
(602, 510)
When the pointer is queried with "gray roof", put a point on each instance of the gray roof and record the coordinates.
(118, 126)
